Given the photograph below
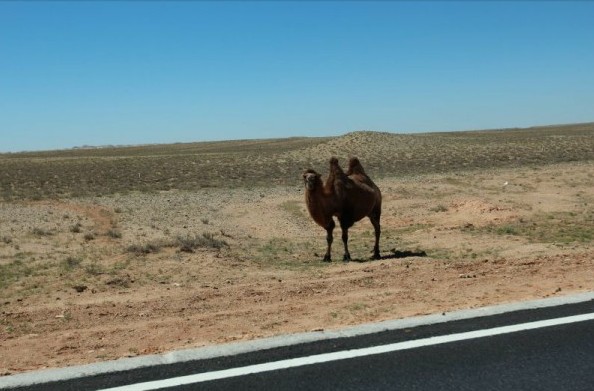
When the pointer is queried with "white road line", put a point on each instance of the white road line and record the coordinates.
(347, 354)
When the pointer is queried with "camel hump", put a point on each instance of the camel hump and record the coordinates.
(355, 167)
(334, 166)
(335, 169)
(337, 181)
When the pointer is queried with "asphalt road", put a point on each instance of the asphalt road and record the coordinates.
(559, 358)
(551, 357)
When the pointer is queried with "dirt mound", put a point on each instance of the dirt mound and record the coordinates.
(369, 146)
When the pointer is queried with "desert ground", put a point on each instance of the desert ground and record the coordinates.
(119, 252)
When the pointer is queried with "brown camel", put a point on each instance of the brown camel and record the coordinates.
(349, 197)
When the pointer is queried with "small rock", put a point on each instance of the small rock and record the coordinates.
(80, 288)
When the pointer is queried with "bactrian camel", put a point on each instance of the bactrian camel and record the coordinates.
(349, 196)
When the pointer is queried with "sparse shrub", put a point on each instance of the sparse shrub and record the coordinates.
(507, 230)
(206, 240)
(89, 236)
(94, 269)
(42, 232)
(12, 272)
(118, 281)
(225, 234)
(7, 239)
(71, 262)
(439, 208)
(76, 228)
(114, 234)
(143, 249)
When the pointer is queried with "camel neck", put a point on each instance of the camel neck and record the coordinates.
(314, 199)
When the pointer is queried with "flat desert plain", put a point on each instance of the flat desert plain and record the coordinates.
(119, 252)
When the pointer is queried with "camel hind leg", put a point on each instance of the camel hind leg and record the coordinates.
(375, 221)
(329, 229)
(345, 239)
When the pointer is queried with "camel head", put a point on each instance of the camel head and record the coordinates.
(311, 179)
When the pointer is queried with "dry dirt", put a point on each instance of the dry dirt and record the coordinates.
(76, 291)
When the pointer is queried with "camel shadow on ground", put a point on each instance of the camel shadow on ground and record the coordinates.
(395, 254)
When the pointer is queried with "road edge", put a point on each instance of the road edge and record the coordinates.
(68, 373)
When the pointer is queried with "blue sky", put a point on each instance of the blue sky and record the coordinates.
(99, 73)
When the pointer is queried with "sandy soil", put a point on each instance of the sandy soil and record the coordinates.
(75, 293)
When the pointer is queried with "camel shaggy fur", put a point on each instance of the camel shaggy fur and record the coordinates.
(349, 196)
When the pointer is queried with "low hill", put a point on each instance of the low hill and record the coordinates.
(281, 161)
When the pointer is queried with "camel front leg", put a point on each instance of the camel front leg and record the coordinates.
(329, 229)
